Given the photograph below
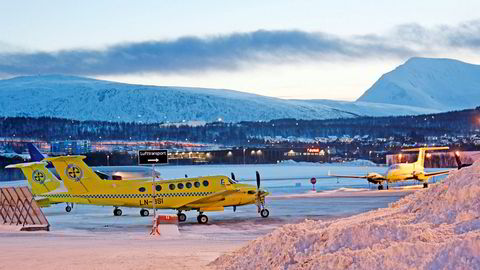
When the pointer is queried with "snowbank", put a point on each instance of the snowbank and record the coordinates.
(353, 163)
(435, 228)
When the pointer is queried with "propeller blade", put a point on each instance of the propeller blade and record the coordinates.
(233, 176)
(258, 180)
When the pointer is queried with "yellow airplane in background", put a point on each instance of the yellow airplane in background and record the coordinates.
(204, 194)
(402, 171)
(42, 181)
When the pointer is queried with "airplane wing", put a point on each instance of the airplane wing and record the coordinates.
(210, 198)
(438, 173)
(348, 176)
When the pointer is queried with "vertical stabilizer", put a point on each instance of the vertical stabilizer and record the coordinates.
(421, 153)
(76, 175)
(35, 154)
(40, 179)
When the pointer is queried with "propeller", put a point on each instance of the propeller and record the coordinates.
(258, 180)
(259, 201)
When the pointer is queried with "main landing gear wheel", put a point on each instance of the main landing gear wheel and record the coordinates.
(202, 219)
(264, 213)
(117, 212)
(182, 217)
(380, 187)
(425, 185)
(144, 213)
(68, 208)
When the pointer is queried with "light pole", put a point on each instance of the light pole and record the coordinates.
(244, 156)
(108, 160)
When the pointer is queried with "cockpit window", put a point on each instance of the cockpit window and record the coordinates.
(103, 176)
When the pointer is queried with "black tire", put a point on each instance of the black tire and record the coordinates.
(264, 213)
(117, 212)
(425, 185)
(68, 208)
(202, 219)
(144, 213)
(182, 217)
(380, 187)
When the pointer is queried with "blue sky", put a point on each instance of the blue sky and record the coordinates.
(288, 49)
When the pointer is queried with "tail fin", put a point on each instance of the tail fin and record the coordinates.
(77, 176)
(35, 154)
(40, 179)
(421, 153)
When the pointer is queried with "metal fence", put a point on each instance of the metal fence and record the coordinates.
(19, 208)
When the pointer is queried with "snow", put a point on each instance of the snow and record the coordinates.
(124, 243)
(443, 84)
(88, 99)
(353, 163)
(435, 228)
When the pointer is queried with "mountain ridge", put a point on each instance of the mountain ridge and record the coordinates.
(82, 98)
(438, 83)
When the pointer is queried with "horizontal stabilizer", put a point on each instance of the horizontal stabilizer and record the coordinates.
(25, 165)
(425, 149)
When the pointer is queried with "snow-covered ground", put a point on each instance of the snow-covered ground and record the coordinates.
(91, 237)
(435, 228)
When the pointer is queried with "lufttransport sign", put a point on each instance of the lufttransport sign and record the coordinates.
(152, 157)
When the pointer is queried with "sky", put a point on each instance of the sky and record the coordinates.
(287, 49)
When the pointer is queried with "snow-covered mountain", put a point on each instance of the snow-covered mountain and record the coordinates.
(89, 99)
(443, 84)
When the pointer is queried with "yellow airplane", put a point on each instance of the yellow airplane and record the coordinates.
(43, 183)
(402, 171)
(204, 194)
(48, 189)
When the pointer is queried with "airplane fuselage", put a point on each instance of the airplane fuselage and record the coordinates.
(406, 171)
(169, 194)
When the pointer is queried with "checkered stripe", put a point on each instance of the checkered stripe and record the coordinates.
(127, 196)
(62, 195)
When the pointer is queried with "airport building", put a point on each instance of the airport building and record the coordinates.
(71, 147)
(249, 156)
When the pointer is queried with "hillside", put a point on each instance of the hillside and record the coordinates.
(89, 99)
(444, 84)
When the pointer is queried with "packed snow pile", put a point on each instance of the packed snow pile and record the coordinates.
(435, 228)
(353, 163)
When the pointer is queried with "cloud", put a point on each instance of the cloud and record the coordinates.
(237, 50)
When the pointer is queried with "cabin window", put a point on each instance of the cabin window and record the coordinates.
(142, 189)
(189, 185)
(158, 188)
(171, 186)
(197, 184)
(205, 183)
(180, 186)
